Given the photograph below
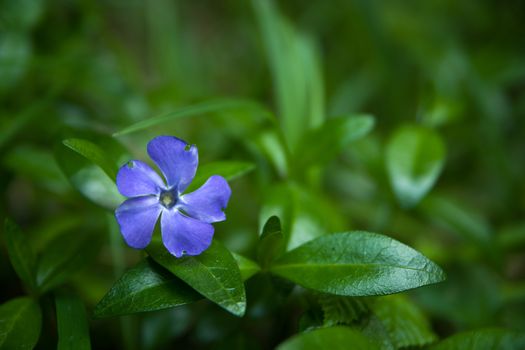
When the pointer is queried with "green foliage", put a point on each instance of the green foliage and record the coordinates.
(483, 339)
(21, 254)
(93, 153)
(20, 323)
(341, 310)
(328, 338)
(357, 264)
(414, 159)
(230, 170)
(73, 331)
(271, 243)
(214, 274)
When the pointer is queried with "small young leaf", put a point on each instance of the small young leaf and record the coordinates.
(486, 339)
(333, 338)
(321, 145)
(357, 264)
(271, 243)
(145, 287)
(406, 324)
(64, 256)
(20, 324)
(20, 253)
(341, 310)
(195, 110)
(214, 274)
(93, 153)
(247, 267)
(230, 170)
(414, 158)
(73, 330)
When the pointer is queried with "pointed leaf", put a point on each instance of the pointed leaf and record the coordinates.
(341, 310)
(414, 158)
(93, 153)
(333, 338)
(20, 324)
(20, 253)
(214, 274)
(145, 287)
(271, 243)
(73, 330)
(357, 264)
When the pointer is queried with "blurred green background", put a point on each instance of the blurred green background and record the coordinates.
(90, 68)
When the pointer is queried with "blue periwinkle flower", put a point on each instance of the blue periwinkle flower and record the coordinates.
(185, 218)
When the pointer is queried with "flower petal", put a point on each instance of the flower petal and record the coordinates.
(136, 178)
(137, 218)
(208, 202)
(176, 159)
(183, 235)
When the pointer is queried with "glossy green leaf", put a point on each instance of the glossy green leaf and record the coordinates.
(64, 256)
(230, 170)
(332, 338)
(341, 310)
(414, 158)
(145, 287)
(73, 329)
(321, 145)
(219, 105)
(357, 264)
(149, 287)
(93, 153)
(20, 324)
(271, 243)
(214, 274)
(247, 267)
(88, 178)
(486, 339)
(20, 253)
(406, 324)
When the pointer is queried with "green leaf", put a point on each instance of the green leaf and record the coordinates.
(341, 310)
(333, 338)
(305, 214)
(486, 339)
(414, 158)
(64, 256)
(20, 253)
(357, 264)
(321, 145)
(295, 68)
(218, 105)
(93, 153)
(406, 324)
(271, 243)
(73, 329)
(214, 274)
(88, 178)
(20, 324)
(247, 267)
(145, 287)
(230, 170)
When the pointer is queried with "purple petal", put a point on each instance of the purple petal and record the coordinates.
(183, 235)
(137, 218)
(208, 202)
(176, 159)
(136, 178)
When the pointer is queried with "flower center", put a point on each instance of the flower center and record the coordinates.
(168, 199)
